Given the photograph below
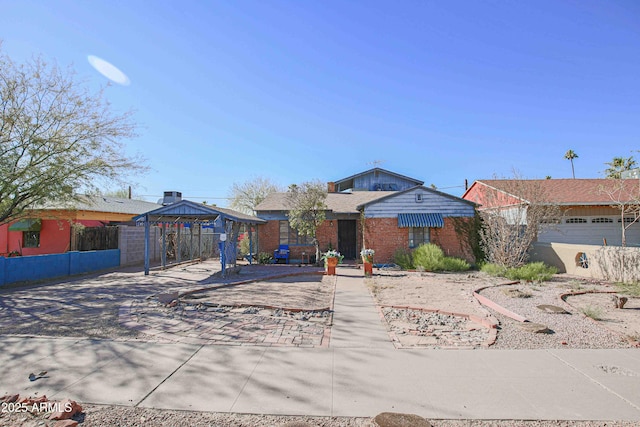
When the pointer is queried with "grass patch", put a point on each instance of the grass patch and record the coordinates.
(533, 272)
(593, 312)
(517, 293)
(630, 289)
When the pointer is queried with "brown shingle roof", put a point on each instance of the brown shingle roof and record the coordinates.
(336, 202)
(577, 191)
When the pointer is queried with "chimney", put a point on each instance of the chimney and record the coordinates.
(331, 187)
(171, 197)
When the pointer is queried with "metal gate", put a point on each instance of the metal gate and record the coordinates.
(347, 238)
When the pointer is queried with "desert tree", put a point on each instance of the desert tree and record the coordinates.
(570, 155)
(56, 137)
(307, 209)
(625, 197)
(245, 196)
(513, 213)
(619, 165)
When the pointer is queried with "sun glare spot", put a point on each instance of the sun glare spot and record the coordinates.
(108, 70)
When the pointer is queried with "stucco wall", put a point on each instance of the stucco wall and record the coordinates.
(613, 263)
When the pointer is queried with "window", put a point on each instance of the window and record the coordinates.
(576, 221)
(418, 236)
(601, 220)
(289, 236)
(30, 239)
(627, 220)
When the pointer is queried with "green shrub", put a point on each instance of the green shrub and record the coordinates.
(404, 259)
(593, 312)
(455, 264)
(265, 258)
(534, 272)
(429, 257)
(631, 289)
(244, 246)
(494, 270)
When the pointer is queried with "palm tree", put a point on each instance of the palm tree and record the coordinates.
(618, 165)
(570, 155)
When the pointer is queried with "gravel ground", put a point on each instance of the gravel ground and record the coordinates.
(111, 416)
(571, 330)
(39, 310)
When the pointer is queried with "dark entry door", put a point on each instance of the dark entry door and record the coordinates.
(347, 238)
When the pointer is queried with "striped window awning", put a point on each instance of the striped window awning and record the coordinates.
(431, 220)
(26, 225)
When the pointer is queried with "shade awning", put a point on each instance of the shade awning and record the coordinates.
(431, 220)
(29, 224)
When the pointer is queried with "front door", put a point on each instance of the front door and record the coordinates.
(347, 238)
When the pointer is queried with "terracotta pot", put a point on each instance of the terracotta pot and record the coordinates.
(332, 262)
(368, 269)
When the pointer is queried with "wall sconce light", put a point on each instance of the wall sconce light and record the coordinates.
(331, 223)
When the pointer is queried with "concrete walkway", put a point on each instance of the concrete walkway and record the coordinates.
(360, 374)
(356, 320)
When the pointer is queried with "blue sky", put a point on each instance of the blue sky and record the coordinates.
(441, 91)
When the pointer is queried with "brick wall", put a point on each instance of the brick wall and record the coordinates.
(452, 243)
(384, 236)
(269, 238)
(381, 234)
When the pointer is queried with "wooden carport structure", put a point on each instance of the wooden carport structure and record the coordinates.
(196, 214)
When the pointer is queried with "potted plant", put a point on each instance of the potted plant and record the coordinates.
(367, 259)
(331, 259)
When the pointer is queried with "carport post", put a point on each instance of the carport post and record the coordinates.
(250, 247)
(179, 249)
(200, 241)
(164, 245)
(146, 245)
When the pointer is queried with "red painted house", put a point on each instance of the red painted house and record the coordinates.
(49, 230)
(377, 209)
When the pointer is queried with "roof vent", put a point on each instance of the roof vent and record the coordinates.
(171, 197)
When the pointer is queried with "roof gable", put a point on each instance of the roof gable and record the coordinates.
(188, 211)
(336, 202)
(376, 179)
(565, 192)
(418, 188)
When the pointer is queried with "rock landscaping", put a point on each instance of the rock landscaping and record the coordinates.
(422, 310)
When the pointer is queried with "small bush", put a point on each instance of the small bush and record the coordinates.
(244, 246)
(265, 258)
(533, 272)
(593, 312)
(494, 270)
(404, 259)
(630, 289)
(428, 256)
(455, 264)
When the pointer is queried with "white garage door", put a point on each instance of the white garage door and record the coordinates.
(591, 231)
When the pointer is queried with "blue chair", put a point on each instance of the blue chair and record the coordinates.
(281, 253)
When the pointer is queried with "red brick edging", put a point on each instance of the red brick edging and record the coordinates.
(495, 306)
(563, 298)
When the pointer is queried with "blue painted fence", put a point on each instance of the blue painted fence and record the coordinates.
(38, 267)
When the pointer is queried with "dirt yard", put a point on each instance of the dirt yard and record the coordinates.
(588, 319)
